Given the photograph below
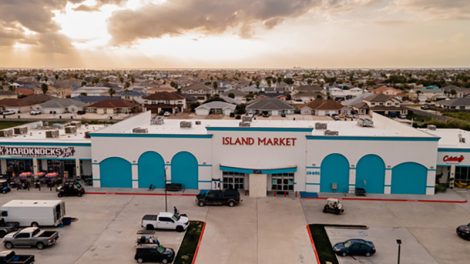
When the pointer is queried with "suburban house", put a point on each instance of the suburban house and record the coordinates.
(307, 96)
(238, 95)
(198, 90)
(430, 93)
(215, 107)
(269, 106)
(113, 106)
(356, 105)
(453, 91)
(92, 99)
(321, 107)
(24, 104)
(91, 91)
(20, 92)
(344, 93)
(387, 90)
(60, 106)
(132, 95)
(386, 105)
(455, 104)
(165, 102)
(7, 94)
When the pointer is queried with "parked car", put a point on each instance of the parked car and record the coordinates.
(333, 206)
(8, 227)
(4, 186)
(228, 197)
(70, 188)
(81, 112)
(30, 237)
(165, 220)
(464, 231)
(35, 112)
(10, 257)
(154, 253)
(354, 247)
(9, 112)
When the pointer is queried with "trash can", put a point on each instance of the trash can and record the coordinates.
(67, 220)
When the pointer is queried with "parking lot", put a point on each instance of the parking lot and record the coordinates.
(426, 229)
(263, 230)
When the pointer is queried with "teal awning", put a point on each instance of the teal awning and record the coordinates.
(258, 171)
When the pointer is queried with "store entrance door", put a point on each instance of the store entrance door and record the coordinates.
(282, 183)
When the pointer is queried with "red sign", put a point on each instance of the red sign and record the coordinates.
(453, 159)
(260, 141)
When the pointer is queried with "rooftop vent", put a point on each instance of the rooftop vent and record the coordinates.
(461, 139)
(331, 133)
(431, 127)
(186, 124)
(246, 118)
(87, 134)
(52, 134)
(20, 130)
(158, 121)
(244, 124)
(140, 130)
(70, 129)
(365, 122)
(198, 122)
(320, 126)
(6, 133)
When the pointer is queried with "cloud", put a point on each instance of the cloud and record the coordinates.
(440, 9)
(175, 17)
(36, 16)
(98, 5)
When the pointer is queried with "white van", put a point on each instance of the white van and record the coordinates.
(34, 212)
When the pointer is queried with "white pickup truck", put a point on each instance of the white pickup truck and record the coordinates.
(165, 220)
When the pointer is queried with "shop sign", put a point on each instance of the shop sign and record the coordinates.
(259, 141)
(37, 151)
(453, 159)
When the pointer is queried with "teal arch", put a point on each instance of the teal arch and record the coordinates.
(151, 170)
(334, 169)
(370, 174)
(184, 169)
(115, 172)
(409, 178)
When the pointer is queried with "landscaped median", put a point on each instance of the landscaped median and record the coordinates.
(321, 242)
(187, 252)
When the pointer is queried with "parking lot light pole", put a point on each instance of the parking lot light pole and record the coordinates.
(399, 248)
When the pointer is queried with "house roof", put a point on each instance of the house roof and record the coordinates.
(26, 101)
(91, 99)
(196, 87)
(267, 103)
(356, 100)
(62, 103)
(217, 105)
(384, 88)
(235, 92)
(451, 87)
(320, 104)
(113, 103)
(465, 101)
(306, 88)
(379, 98)
(164, 96)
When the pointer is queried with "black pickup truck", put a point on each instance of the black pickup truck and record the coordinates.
(10, 257)
(228, 197)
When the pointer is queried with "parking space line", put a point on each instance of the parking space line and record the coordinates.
(313, 244)
(390, 200)
(199, 243)
(142, 194)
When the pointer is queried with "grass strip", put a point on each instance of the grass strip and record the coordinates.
(322, 244)
(189, 246)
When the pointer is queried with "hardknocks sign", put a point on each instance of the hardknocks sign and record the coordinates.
(37, 151)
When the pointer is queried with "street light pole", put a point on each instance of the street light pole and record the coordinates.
(164, 186)
(399, 249)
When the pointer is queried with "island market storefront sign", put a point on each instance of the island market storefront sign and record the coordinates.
(259, 141)
(57, 152)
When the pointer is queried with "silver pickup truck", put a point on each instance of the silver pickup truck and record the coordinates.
(30, 237)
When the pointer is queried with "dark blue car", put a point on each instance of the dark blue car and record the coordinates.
(354, 247)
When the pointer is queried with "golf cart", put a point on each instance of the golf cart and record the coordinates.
(147, 237)
(333, 206)
(70, 188)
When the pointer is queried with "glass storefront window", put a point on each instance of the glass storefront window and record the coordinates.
(233, 180)
(462, 174)
(282, 182)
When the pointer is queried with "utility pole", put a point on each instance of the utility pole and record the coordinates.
(399, 249)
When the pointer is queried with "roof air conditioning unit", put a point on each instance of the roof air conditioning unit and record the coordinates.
(320, 126)
(158, 121)
(198, 122)
(6, 133)
(331, 133)
(87, 134)
(70, 129)
(365, 122)
(244, 124)
(57, 126)
(20, 130)
(186, 124)
(52, 134)
(246, 118)
(140, 130)
(431, 127)
(461, 139)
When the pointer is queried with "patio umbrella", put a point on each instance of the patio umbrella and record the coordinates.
(40, 174)
(26, 174)
(51, 174)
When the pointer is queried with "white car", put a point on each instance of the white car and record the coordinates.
(35, 112)
(165, 220)
(9, 112)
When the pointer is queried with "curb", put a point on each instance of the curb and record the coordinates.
(141, 194)
(313, 244)
(199, 243)
(390, 200)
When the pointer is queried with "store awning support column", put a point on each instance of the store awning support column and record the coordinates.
(3, 166)
(35, 166)
(77, 168)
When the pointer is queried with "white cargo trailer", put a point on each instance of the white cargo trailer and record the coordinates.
(34, 212)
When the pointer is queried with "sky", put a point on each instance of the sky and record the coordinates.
(104, 34)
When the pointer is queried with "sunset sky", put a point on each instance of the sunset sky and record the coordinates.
(234, 34)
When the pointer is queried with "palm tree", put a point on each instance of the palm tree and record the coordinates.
(44, 88)
(111, 92)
